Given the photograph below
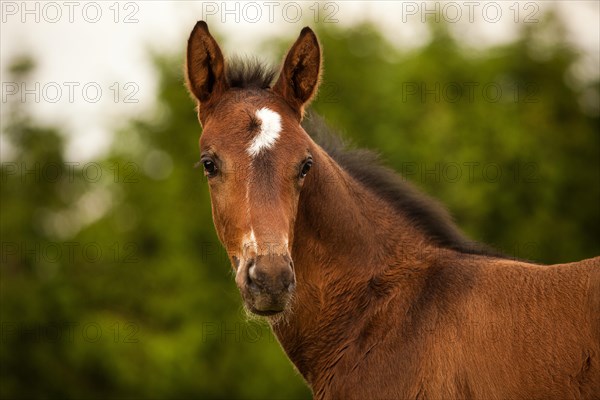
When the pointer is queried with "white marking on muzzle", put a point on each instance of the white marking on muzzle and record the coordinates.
(249, 249)
(270, 128)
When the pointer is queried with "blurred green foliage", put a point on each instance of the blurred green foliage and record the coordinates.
(116, 287)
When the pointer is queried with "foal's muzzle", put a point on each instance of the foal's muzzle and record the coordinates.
(267, 283)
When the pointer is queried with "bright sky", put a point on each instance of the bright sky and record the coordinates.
(94, 70)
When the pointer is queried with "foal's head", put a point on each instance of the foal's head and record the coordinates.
(256, 157)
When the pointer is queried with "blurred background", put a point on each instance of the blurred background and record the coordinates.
(113, 283)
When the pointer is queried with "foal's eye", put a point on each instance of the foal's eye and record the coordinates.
(210, 169)
(305, 168)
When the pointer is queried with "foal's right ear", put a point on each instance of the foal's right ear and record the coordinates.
(205, 67)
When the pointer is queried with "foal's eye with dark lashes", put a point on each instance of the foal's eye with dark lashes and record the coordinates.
(210, 169)
(305, 168)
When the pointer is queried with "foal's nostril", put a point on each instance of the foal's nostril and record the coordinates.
(288, 284)
(288, 278)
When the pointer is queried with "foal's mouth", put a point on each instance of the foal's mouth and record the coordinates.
(265, 313)
(267, 306)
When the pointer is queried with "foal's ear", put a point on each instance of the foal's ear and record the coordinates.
(299, 77)
(205, 67)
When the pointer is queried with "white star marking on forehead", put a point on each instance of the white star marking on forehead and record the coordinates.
(270, 128)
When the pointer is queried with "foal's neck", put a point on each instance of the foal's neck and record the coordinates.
(346, 239)
(344, 229)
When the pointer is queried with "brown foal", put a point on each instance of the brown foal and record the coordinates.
(369, 287)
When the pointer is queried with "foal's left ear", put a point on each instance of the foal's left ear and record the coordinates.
(299, 77)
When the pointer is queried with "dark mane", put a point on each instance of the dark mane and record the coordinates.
(249, 73)
(364, 165)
